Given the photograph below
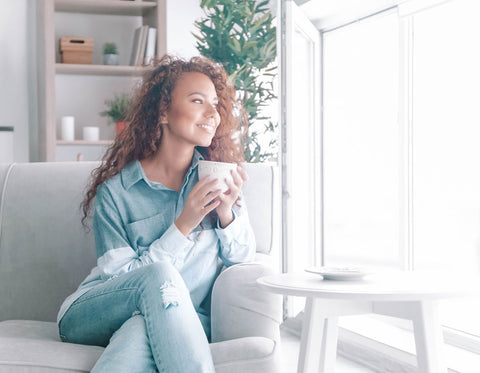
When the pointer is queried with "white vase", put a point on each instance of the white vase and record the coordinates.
(110, 59)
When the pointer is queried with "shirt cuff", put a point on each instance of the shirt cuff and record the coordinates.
(173, 245)
(233, 229)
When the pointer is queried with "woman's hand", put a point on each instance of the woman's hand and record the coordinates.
(227, 199)
(199, 203)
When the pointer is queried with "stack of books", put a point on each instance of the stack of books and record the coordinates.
(144, 45)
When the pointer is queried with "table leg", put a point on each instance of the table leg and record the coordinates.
(427, 330)
(318, 345)
(328, 355)
(428, 338)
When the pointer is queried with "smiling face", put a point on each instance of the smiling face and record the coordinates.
(192, 116)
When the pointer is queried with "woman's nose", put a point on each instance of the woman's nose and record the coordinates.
(211, 111)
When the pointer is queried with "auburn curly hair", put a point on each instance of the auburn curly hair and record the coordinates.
(142, 137)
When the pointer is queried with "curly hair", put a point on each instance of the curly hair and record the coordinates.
(142, 137)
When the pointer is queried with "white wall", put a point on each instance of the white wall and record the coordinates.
(180, 17)
(17, 73)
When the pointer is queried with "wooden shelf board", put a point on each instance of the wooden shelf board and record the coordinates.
(112, 7)
(112, 70)
(84, 142)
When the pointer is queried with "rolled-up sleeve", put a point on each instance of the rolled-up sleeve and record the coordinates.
(172, 246)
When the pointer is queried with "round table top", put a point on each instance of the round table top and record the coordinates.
(395, 285)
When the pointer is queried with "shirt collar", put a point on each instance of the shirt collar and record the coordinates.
(131, 174)
(196, 157)
(133, 171)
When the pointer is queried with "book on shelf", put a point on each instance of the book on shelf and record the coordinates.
(150, 48)
(139, 44)
(143, 45)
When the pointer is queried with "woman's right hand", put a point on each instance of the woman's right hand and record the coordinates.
(198, 205)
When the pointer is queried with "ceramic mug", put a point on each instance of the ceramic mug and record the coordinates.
(216, 170)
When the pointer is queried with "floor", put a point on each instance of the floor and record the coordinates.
(291, 346)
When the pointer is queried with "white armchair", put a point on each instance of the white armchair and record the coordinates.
(41, 236)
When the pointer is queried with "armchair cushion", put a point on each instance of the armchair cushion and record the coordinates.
(34, 346)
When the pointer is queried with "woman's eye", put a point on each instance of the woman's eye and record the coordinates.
(197, 100)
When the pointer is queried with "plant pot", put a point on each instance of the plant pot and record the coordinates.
(110, 59)
(120, 126)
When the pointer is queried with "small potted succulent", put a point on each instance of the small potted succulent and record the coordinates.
(117, 110)
(110, 54)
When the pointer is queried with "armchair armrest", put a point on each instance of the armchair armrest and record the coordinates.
(240, 308)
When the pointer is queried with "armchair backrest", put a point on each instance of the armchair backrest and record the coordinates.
(45, 252)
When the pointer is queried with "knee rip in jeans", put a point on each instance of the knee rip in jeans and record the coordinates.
(169, 294)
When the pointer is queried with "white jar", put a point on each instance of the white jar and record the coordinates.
(91, 133)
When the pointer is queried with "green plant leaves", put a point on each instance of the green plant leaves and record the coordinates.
(241, 35)
(117, 108)
(110, 48)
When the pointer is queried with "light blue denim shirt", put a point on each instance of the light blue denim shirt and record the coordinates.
(134, 226)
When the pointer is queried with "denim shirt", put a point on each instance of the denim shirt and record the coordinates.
(134, 226)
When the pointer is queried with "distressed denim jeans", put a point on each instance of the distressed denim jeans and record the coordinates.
(146, 320)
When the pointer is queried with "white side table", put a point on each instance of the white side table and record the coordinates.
(408, 295)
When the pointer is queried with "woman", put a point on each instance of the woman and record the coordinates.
(161, 235)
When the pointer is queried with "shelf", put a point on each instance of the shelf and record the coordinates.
(112, 7)
(53, 20)
(84, 142)
(105, 70)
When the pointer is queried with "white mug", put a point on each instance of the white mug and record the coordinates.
(216, 170)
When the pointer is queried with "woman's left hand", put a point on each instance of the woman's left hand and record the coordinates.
(227, 199)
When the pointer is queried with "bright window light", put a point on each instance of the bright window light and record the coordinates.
(361, 143)
(446, 150)
(366, 142)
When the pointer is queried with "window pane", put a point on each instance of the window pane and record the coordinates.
(301, 175)
(446, 150)
(361, 143)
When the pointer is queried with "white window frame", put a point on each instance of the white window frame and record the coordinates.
(294, 20)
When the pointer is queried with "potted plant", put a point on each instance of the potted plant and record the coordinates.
(117, 110)
(110, 54)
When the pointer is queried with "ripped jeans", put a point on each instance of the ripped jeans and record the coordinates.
(146, 320)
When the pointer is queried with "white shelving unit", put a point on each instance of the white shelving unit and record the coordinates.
(56, 78)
